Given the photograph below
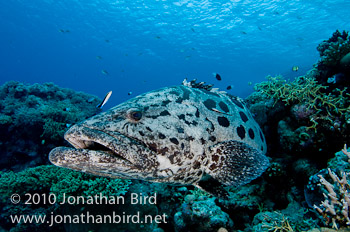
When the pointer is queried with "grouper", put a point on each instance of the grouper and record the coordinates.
(191, 134)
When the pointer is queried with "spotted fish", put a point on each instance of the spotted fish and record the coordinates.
(187, 134)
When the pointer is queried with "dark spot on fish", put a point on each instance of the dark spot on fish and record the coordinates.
(161, 136)
(179, 100)
(251, 133)
(166, 102)
(210, 104)
(149, 129)
(243, 116)
(174, 141)
(171, 158)
(236, 102)
(202, 141)
(141, 133)
(224, 107)
(212, 138)
(196, 164)
(241, 131)
(215, 158)
(190, 138)
(163, 151)
(180, 130)
(212, 167)
(152, 147)
(223, 121)
(197, 113)
(181, 116)
(164, 113)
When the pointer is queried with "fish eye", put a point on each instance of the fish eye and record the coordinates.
(134, 115)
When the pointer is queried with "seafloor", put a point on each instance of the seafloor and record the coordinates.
(306, 123)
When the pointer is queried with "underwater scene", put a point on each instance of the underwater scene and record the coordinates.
(175, 116)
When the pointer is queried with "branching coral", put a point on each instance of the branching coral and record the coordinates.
(335, 206)
(306, 91)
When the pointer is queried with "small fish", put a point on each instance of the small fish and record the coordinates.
(250, 83)
(192, 29)
(107, 40)
(217, 76)
(103, 71)
(157, 37)
(244, 33)
(99, 57)
(295, 68)
(108, 95)
(64, 31)
(129, 93)
(229, 87)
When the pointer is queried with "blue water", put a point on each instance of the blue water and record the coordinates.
(144, 45)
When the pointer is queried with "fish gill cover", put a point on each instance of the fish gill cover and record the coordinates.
(132, 47)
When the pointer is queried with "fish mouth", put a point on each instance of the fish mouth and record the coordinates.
(86, 138)
(98, 152)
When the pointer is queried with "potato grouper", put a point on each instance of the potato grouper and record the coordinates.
(187, 134)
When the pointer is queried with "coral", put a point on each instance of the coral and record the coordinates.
(293, 218)
(334, 60)
(306, 91)
(34, 118)
(49, 179)
(334, 208)
(201, 214)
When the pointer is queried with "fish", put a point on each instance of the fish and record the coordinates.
(229, 87)
(179, 135)
(105, 72)
(104, 101)
(217, 76)
(295, 68)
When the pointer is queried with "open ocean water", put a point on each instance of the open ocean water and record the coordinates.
(136, 46)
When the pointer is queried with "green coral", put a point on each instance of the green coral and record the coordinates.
(306, 90)
(52, 179)
(45, 180)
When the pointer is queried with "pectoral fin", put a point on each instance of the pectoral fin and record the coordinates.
(235, 163)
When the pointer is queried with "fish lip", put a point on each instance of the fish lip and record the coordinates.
(87, 138)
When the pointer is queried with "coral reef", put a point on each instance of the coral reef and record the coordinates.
(334, 207)
(201, 214)
(334, 59)
(33, 119)
(48, 179)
